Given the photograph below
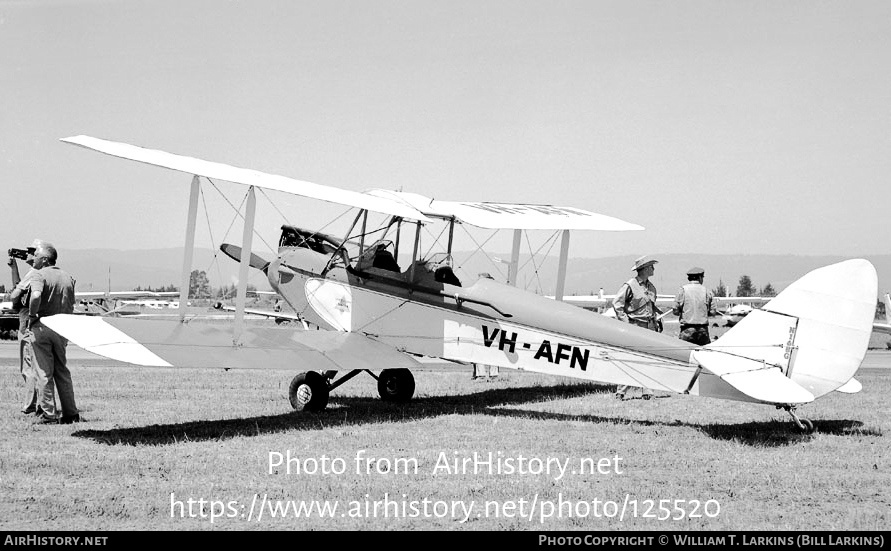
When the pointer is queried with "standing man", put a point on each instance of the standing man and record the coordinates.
(52, 292)
(20, 296)
(635, 303)
(693, 305)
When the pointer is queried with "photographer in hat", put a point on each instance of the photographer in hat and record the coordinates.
(52, 292)
(20, 297)
(635, 303)
(693, 305)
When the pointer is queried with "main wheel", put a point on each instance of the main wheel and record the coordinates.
(396, 385)
(308, 392)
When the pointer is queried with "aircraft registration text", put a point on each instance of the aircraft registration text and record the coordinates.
(576, 356)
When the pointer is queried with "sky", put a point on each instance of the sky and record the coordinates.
(722, 127)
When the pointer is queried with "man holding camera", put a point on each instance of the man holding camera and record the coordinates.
(51, 292)
(20, 296)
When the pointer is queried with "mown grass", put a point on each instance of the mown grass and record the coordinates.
(208, 434)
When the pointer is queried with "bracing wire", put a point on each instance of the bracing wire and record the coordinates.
(479, 247)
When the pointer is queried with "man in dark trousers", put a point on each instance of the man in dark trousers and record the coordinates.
(52, 292)
(693, 305)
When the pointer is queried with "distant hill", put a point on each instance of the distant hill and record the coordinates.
(160, 267)
(94, 268)
(587, 275)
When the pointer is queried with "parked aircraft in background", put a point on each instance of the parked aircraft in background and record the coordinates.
(380, 314)
(94, 303)
(102, 303)
(885, 327)
(731, 309)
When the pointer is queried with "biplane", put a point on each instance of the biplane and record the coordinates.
(379, 315)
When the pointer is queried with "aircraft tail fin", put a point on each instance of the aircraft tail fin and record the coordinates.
(888, 307)
(815, 332)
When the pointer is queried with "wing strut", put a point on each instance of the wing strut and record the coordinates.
(561, 269)
(362, 233)
(247, 238)
(414, 254)
(188, 248)
(514, 265)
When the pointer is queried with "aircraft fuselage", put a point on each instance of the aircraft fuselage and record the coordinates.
(487, 322)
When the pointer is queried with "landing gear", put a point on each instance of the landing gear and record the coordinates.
(396, 385)
(804, 425)
(308, 391)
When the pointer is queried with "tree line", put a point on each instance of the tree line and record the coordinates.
(745, 288)
(199, 287)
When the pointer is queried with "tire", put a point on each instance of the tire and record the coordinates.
(308, 392)
(396, 385)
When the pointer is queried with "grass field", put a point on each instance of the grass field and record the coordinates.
(208, 435)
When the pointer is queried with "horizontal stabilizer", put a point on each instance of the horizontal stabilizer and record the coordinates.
(171, 343)
(759, 380)
(851, 387)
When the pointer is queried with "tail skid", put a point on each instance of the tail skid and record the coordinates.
(806, 342)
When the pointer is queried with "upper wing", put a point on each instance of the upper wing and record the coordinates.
(509, 215)
(171, 343)
(248, 177)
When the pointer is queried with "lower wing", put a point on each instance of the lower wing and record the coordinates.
(171, 343)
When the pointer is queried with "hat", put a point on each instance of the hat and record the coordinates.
(695, 272)
(643, 262)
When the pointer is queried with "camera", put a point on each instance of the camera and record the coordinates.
(21, 254)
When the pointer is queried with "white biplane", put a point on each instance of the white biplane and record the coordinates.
(807, 342)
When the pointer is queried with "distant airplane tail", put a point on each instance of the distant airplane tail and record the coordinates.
(887, 308)
(815, 333)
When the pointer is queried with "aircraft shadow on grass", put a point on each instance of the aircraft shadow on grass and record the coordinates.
(350, 411)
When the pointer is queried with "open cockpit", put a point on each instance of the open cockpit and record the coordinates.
(377, 261)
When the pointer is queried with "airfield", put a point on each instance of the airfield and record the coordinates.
(173, 449)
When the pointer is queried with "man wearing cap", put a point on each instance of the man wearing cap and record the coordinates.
(693, 305)
(52, 292)
(20, 296)
(635, 303)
